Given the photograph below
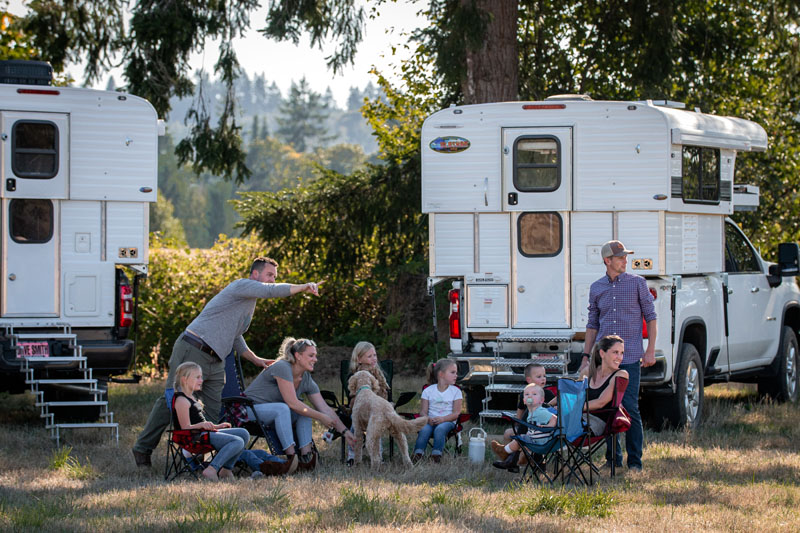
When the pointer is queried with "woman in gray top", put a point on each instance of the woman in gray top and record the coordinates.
(277, 391)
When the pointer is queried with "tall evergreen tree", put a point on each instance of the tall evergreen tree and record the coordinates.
(302, 116)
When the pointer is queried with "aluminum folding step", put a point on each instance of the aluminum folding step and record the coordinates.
(87, 403)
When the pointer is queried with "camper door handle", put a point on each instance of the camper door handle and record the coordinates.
(486, 192)
(12, 277)
(521, 288)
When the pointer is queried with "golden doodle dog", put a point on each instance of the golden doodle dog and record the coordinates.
(376, 417)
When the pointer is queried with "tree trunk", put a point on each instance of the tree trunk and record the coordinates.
(492, 69)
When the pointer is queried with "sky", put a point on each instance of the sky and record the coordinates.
(283, 62)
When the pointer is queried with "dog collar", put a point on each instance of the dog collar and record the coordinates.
(363, 387)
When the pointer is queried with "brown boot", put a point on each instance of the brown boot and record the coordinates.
(499, 450)
(272, 468)
(142, 459)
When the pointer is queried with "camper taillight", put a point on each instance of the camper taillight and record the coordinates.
(455, 313)
(644, 324)
(125, 306)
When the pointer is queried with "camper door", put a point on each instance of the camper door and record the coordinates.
(35, 156)
(29, 286)
(537, 178)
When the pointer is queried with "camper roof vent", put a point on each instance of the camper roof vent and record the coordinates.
(665, 103)
(22, 72)
(584, 97)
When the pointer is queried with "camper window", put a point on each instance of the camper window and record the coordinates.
(30, 221)
(700, 175)
(35, 152)
(539, 234)
(537, 164)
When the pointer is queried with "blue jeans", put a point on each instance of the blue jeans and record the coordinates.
(287, 423)
(254, 458)
(439, 437)
(229, 444)
(634, 439)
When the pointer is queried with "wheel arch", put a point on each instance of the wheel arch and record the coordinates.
(693, 331)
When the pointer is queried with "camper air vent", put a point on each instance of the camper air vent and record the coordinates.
(725, 191)
(584, 97)
(666, 103)
(677, 186)
(21, 72)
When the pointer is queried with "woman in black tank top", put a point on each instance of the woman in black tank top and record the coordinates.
(604, 365)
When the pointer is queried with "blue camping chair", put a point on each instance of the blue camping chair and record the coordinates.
(561, 452)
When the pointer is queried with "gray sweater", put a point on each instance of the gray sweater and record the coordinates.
(227, 315)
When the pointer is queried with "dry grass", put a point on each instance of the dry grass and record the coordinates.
(740, 473)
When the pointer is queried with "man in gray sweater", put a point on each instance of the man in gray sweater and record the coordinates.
(210, 338)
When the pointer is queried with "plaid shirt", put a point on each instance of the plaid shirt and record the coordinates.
(617, 308)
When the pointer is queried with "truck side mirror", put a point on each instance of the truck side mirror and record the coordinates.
(788, 255)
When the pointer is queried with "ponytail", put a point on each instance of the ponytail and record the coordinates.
(440, 366)
(604, 344)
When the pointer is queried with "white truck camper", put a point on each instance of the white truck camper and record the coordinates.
(79, 170)
(522, 195)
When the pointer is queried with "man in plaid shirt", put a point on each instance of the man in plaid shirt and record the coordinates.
(617, 304)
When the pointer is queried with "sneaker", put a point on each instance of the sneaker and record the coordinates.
(308, 463)
(350, 462)
(417, 457)
(436, 458)
(142, 459)
(499, 450)
(635, 469)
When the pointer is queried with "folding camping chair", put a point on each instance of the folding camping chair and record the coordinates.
(615, 418)
(186, 448)
(453, 441)
(343, 409)
(235, 404)
(562, 449)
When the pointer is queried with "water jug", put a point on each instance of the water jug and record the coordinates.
(477, 445)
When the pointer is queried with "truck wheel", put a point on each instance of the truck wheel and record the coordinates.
(685, 407)
(783, 387)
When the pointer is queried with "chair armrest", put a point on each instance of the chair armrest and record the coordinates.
(404, 398)
(330, 399)
(238, 399)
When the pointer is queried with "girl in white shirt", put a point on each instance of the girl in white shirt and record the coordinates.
(441, 403)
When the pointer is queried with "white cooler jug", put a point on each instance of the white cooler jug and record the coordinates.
(477, 445)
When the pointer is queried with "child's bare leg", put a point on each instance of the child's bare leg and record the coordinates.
(508, 434)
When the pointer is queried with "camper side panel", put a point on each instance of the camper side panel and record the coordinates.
(694, 243)
(621, 159)
(467, 180)
(589, 232)
(88, 282)
(114, 150)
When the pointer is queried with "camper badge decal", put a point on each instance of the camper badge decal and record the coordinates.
(449, 145)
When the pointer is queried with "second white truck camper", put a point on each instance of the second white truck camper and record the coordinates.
(522, 195)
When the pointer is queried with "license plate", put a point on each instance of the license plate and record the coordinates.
(33, 349)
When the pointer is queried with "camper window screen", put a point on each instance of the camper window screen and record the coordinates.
(539, 234)
(35, 152)
(30, 221)
(700, 175)
(537, 163)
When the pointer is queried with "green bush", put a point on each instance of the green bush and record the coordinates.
(182, 280)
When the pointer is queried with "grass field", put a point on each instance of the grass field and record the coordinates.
(741, 472)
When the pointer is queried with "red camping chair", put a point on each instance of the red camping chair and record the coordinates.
(186, 448)
(453, 441)
(617, 421)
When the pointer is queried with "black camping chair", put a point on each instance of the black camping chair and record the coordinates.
(343, 408)
(235, 404)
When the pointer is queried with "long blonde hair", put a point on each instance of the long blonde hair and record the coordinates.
(440, 366)
(596, 360)
(181, 373)
(360, 349)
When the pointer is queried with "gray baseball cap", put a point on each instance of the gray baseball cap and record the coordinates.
(614, 249)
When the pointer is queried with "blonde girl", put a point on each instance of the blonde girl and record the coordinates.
(187, 413)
